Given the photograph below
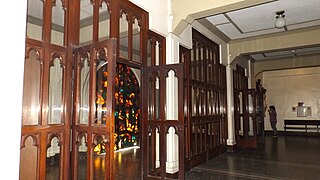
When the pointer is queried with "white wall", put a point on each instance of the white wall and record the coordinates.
(285, 88)
(158, 11)
(12, 63)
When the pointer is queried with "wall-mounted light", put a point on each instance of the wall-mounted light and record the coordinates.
(280, 21)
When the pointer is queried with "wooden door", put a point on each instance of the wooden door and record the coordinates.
(163, 122)
(94, 107)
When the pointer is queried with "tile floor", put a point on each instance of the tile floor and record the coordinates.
(292, 157)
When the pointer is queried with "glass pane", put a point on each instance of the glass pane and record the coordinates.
(192, 65)
(209, 102)
(57, 24)
(53, 160)
(250, 103)
(136, 41)
(86, 22)
(127, 114)
(99, 157)
(154, 151)
(153, 99)
(35, 19)
(193, 101)
(84, 92)
(157, 51)
(28, 160)
(82, 158)
(240, 103)
(241, 126)
(172, 164)
(31, 89)
(123, 23)
(171, 96)
(157, 102)
(149, 58)
(104, 22)
(101, 92)
(250, 126)
(55, 92)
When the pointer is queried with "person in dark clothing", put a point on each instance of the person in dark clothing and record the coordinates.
(273, 120)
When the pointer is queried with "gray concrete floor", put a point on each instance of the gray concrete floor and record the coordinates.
(291, 157)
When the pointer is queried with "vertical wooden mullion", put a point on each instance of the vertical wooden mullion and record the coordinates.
(95, 25)
(110, 108)
(189, 105)
(47, 21)
(92, 86)
(67, 110)
(45, 87)
(163, 148)
(145, 126)
(43, 155)
(162, 95)
(74, 156)
(162, 49)
(89, 155)
(163, 130)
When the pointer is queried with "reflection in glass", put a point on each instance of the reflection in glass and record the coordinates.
(53, 160)
(57, 24)
(31, 89)
(35, 19)
(28, 160)
(82, 158)
(101, 92)
(99, 156)
(123, 23)
(84, 92)
(86, 22)
(104, 22)
(136, 41)
(55, 93)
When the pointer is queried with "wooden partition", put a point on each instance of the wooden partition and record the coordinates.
(245, 115)
(204, 102)
(64, 119)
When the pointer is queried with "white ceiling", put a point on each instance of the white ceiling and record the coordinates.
(259, 20)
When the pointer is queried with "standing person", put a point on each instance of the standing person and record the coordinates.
(273, 120)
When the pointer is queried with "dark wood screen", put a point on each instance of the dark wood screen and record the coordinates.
(57, 51)
(158, 124)
(244, 110)
(92, 124)
(205, 101)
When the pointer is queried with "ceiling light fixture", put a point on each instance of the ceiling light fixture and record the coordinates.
(280, 21)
